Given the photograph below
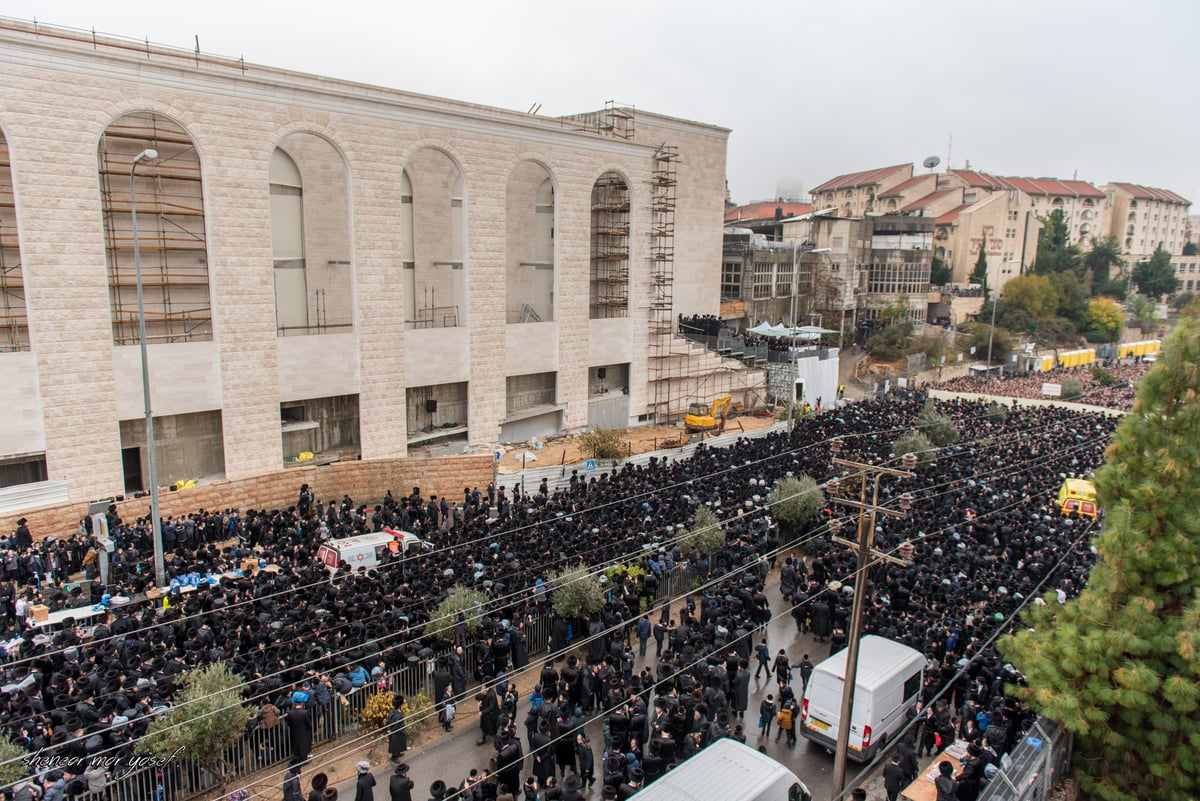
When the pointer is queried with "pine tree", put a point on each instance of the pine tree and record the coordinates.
(1119, 666)
(980, 274)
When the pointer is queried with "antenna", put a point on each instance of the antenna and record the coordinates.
(949, 150)
(932, 162)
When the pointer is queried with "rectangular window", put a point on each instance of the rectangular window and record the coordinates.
(762, 280)
(731, 280)
(783, 280)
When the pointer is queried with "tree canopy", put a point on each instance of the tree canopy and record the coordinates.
(1119, 665)
(576, 592)
(937, 427)
(1157, 276)
(1055, 254)
(460, 599)
(207, 718)
(706, 533)
(795, 500)
(1033, 294)
(940, 273)
(979, 275)
(1104, 319)
(1101, 259)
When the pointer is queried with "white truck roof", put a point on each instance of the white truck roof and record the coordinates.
(725, 771)
(878, 659)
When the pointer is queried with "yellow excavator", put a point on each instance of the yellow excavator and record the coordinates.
(702, 417)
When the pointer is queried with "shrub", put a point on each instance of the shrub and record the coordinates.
(375, 712)
(604, 443)
(207, 719)
(617, 571)
(575, 592)
(1071, 389)
(1103, 377)
(11, 766)
(977, 338)
(996, 412)
(705, 533)
(890, 344)
(795, 500)
(461, 599)
(417, 711)
(934, 347)
(937, 427)
(915, 442)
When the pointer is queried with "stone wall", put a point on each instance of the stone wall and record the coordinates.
(365, 482)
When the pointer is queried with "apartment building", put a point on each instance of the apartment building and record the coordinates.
(1143, 218)
(856, 194)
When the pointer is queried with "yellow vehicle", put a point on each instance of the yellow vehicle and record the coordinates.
(702, 417)
(1078, 495)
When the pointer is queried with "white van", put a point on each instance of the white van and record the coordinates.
(727, 771)
(368, 550)
(889, 682)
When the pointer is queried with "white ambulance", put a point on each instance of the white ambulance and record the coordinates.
(368, 550)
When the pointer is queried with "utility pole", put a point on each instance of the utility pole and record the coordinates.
(863, 551)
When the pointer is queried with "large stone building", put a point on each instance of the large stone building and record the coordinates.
(328, 265)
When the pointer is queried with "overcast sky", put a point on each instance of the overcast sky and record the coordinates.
(1102, 89)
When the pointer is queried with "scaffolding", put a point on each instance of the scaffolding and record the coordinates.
(663, 186)
(171, 231)
(616, 120)
(609, 296)
(14, 322)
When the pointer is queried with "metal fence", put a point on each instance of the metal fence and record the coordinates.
(263, 749)
(1038, 763)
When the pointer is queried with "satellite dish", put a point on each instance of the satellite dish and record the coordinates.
(932, 162)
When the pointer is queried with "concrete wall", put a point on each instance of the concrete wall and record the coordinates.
(187, 446)
(312, 365)
(24, 429)
(185, 377)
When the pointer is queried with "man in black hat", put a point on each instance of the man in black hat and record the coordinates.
(24, 540)
(399, 785)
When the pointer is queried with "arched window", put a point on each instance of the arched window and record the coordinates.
(310, 237)
(433, 226)
(14, 323)
(608, 295)
(530, 235)
(172, 243)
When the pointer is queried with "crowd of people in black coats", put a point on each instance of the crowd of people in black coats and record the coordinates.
(710, 325)
(982, 534)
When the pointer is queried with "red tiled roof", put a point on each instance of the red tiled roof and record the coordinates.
(1151, 193)
(1054, 187)
(925, 201)
(764, 211)
(856, 179)
(900, 188)
(982, 179)
(952, 215)
(1082, 188)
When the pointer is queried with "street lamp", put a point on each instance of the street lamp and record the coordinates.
(160, 571)
(991, 336)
